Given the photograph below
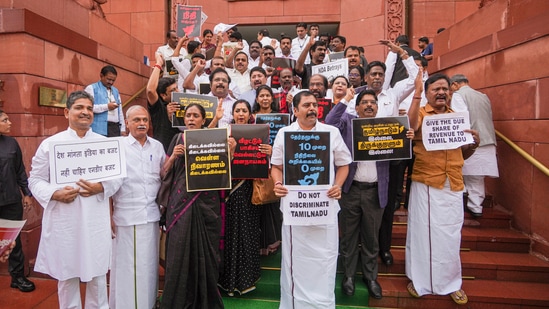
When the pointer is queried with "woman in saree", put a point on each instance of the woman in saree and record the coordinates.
(242, 232)
(193, 225)
(271, 217)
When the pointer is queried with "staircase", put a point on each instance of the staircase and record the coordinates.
(498, 272)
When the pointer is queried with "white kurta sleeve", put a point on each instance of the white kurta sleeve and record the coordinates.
(39, 180)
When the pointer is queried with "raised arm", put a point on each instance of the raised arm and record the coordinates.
(152, 96)
(300, 63)
(230, 60)
(413, 111)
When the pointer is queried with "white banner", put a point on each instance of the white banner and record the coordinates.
(308, 205)
(92, 160)
(333, 69)
(445, 131)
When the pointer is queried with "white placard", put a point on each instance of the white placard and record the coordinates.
(93, 160)
(333, 69)
(445, 131)
(308, 205)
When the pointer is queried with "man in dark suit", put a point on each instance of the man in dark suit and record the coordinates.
(363, 200)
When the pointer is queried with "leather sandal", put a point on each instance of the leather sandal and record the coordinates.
(459, 297)
(412, 290)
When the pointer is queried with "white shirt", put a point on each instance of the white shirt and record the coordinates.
(76, 238)
(183, 67)
(241, 80)
(458, 103)
(253, 63)
(297, 47)
(340, 153)
(134, 203)
(388, 100)
(166, 51)
(228, 102)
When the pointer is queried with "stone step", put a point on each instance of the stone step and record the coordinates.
(482, 294)
(485, 265)
(479, 239)
(495, 216)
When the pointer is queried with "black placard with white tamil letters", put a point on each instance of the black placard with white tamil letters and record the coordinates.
(248, 162)
(378, 139)
(307, 158)
(207, 160)
(208, 102)
(275, 122)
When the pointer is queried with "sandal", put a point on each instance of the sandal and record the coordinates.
(459, 297)
(412, 290)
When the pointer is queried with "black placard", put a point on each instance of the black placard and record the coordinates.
(307, 158)
(248, 162)
(378, 139)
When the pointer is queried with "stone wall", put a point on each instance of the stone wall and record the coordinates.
(503, 49)
(57, 44)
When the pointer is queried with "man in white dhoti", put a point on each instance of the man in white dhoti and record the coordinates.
(483, 162)
(309, 253)
(75, 244)
(134, 268)
(435, 212)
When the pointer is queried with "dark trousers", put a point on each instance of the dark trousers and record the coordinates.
(359, 221)
(396, 180)
(17, 258)
(113, 129)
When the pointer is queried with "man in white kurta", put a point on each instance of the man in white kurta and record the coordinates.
(309, 253)
(134, 269)
(75, 243)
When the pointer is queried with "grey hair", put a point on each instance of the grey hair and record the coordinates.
(133, 108)
(459, 78)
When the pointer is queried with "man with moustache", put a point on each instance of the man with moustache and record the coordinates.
(435, 214)
(309, 253)
(388, 105)
(254, 50)
(134, 268)
(219, 85)
(338, 43)
(237, 68)
(159, 96)
(286, 78)
(166, 51)
(267, 56)
(364, 198)
(317, 51)
(285, 48)
(318, 86)
(258, 77)
(352, 53)
(75, 243)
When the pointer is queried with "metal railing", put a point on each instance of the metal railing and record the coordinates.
(524, 154)
(133, 97)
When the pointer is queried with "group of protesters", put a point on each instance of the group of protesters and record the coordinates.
(214, 238)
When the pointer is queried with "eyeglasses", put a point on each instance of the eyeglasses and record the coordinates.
(354, 75)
